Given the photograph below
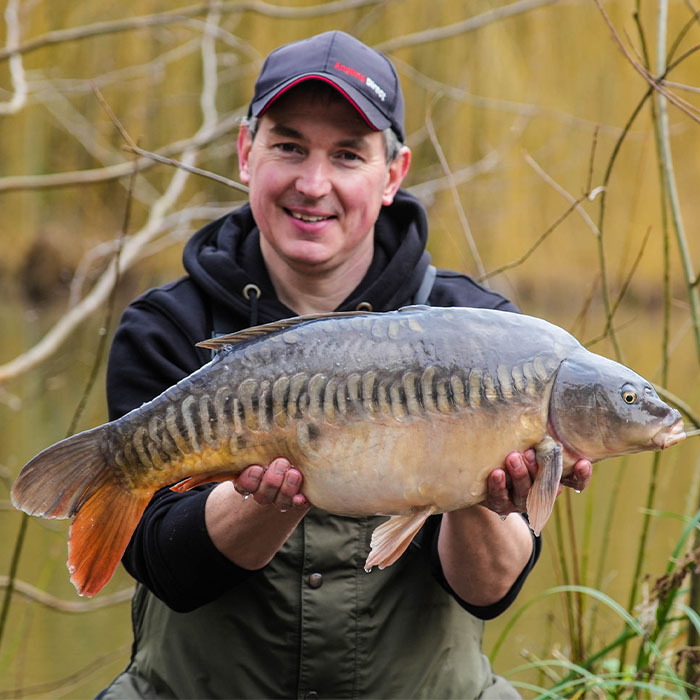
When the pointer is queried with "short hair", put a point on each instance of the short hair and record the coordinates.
(392, 143)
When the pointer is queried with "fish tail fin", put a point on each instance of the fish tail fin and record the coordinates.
(99, 535)
(543, 493)
(72, 478)
(391, 539)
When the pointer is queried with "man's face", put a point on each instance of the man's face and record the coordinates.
(318, 177)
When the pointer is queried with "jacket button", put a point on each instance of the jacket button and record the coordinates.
(311, 695)
(315, 581)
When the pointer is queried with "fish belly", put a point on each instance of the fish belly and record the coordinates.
(393, 468)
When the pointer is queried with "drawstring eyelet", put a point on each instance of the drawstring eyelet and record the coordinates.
(250, 289)
(251, 293)
(364, 306)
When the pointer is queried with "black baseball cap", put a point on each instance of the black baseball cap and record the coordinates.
(365, 77)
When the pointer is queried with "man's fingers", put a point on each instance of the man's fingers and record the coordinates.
(278, 485)
(581, 475)
(289, 488)
(520, 479)
(271, 482)
(249, 480)
(497, 494)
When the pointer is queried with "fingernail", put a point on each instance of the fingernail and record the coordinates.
(293, 479)
(256, 473)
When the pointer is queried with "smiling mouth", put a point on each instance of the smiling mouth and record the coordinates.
(308, 218)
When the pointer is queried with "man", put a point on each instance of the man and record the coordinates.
(266, 596)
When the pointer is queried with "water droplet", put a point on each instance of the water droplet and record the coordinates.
(502, 517)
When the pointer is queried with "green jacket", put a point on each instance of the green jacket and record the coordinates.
(329, 630)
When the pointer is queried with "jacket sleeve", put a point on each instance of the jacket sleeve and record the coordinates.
(170, 551)
(428, 539)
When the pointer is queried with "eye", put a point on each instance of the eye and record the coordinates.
(629, 396)
(287, 147)
(348, 157)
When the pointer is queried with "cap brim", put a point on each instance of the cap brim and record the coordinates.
(374, 118)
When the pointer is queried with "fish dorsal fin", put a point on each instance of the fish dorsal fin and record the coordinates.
(225, 341)
(414, 307)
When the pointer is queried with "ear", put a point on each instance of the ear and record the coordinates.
(245, 143)
(397, 172)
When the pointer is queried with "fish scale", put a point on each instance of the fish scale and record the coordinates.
(402, 413)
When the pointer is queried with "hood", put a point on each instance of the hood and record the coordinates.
(224, 256)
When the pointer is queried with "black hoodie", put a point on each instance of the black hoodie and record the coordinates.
(154, 347)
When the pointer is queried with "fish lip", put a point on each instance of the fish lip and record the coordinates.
(669, 436)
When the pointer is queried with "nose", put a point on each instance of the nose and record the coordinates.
(314, 179)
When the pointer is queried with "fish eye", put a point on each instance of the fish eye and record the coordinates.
(629, 396)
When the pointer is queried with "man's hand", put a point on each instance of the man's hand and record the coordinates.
(278, 485)
(240, 529)
(507, 488)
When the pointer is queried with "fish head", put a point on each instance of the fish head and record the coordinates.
(599, 408)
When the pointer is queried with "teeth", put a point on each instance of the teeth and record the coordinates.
(309, 219)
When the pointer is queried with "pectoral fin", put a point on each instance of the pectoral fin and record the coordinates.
(390, 539)
(543, 493)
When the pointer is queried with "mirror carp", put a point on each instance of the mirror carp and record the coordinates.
(402, 413)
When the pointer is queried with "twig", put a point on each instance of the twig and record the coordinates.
(161, 19)
(625, 285)
(591, 160)
(64, 685)
(522, 109)
(655, 82)
(36, 595)
(576, 202)
(189, 168)
(543, 236)
(12, 574)
(425, 191)
(453, 190)
(113, 172)
(459, 28)
(19, 82)
(131, 251)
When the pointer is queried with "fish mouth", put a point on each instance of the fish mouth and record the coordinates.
(669, 436)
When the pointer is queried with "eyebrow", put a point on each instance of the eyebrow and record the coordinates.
(355, 142)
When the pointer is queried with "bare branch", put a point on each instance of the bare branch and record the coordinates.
(114, 172)
(455, 194)
(655, 82)
(576, 202)
(519, 261)
(61, 687)
(468, 25)
(36, 595)
(181, 15)
(19, 83)
(189, 168)
(131, 250)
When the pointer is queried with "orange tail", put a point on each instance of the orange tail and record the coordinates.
(72, 478)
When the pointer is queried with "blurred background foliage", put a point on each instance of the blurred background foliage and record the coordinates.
(516, 112)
